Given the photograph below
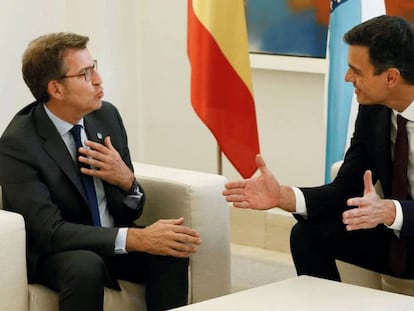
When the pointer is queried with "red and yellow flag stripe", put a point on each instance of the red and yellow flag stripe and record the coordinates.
(221, 84)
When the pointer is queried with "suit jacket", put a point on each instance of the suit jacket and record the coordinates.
(370, 149)
(41, 182)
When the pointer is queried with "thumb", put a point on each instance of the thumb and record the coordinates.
(178, 221)
(261, 165)
(368, 185)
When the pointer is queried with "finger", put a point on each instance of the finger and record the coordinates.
(96, 146)
(242, 204)
(359, 226)
(188, 239)
(356, 202)
(108, 143)
(235, 198)
(357, 215)
(186, 232)
(177, 221)
(239, 184)
(92, 159)
(183, 247)
(178, 254)
(231, 192)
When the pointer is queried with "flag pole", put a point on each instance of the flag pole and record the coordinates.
(219, 161)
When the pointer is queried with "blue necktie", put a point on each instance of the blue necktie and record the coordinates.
(87, 180)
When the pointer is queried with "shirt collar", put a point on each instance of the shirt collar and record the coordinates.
(408, 113)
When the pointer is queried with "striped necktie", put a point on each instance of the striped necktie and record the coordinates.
(400, 187)
(87, 180)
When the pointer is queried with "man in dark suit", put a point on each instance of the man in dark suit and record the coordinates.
(346, 219)
(76, 243)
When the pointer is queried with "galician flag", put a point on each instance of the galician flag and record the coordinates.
(342, 104)
(221, 84)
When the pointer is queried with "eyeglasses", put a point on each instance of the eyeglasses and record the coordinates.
(87, 72)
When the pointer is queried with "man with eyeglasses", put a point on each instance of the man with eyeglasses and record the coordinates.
(65, 166)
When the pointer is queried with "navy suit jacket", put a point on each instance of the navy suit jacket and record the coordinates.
(370, 149)
(41, 182)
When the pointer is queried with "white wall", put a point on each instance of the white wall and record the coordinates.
(141, 48)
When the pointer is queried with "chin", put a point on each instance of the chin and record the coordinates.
(98, 105)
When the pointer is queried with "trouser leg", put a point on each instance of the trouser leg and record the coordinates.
(165, 278)
(78, 276)
(315, 246)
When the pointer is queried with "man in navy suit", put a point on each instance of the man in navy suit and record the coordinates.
(41, 173)
(346, 219)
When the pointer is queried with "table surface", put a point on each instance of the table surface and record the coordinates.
(306, 293)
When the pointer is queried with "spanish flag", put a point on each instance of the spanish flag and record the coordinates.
(221, 84)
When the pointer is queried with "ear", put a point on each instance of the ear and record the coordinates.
(55, 89)
(392, 76)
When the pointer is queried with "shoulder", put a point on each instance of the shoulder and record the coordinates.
(373, 113)
(23, 120)
(374, 109)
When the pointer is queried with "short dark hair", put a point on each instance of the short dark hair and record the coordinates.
(390, 40)
(43, 60)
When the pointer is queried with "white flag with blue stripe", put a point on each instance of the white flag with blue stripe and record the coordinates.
(342, 105)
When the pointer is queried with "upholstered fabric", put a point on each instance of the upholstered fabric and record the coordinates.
(197, 197)
(13, 288)
(171, 193)
(131, 298)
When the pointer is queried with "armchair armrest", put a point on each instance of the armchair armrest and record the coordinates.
(14, 290)
(197, 196)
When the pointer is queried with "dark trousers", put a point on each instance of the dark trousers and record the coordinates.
(315, 246)
(80, 276)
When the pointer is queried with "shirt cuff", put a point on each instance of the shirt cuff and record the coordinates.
(120, 241)
(300, 202)
(397, 224)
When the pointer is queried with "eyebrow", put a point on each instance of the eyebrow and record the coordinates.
(84, 68)
(354, 68)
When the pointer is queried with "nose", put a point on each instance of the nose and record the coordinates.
(96, 77)
(349, 76)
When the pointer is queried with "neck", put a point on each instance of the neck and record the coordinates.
(63, 112)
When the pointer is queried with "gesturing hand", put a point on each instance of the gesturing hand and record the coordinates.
(164, 237)
(108, 163)
(371, 209)
(262, 192)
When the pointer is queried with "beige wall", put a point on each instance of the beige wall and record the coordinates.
(141, 48)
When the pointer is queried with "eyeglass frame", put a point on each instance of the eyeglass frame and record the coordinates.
(87, 72)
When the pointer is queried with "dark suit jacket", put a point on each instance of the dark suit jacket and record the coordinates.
(370, 149)
(40, 181)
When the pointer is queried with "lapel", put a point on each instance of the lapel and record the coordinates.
(94, 129)
(56, 148)
(383, 149)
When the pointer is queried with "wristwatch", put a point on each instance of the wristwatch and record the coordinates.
(134, 190)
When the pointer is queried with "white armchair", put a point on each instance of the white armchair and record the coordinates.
(170, 193)
(352, 274)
